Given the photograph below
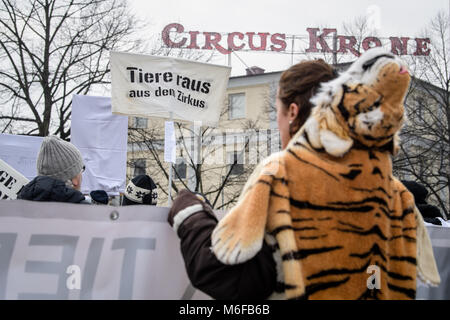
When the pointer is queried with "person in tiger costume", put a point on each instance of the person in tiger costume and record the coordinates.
(327, 206)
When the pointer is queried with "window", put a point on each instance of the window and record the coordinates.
(236, 104)
(139, 167)
(140, 123)
(180, 168)
(237, 159)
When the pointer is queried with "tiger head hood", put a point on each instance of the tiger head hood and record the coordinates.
(374, 87)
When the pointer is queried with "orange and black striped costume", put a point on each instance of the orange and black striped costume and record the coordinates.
(329, 204)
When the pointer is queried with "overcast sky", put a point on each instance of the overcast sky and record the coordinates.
(396, 18)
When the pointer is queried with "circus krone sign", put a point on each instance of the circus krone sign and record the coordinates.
(319, 40)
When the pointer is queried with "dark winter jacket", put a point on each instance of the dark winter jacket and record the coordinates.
(44, 188)
(429, 212)
(254, 279)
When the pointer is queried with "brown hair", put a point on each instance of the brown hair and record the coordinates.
(299, 83)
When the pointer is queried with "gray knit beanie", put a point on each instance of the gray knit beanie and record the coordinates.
(59, 159)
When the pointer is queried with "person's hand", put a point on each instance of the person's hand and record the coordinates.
(188, 203)
(186, 199)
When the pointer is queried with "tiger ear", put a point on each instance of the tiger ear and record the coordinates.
(312, 129)
(324, 137)
(334, 145)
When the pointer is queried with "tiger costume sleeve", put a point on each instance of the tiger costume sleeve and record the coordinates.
(239, 235)
(263, 210)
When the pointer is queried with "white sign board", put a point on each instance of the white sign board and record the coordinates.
(170, 147)
(11, 181)
(75, 251)
(21, 152)
(101, 138)
(155, 86)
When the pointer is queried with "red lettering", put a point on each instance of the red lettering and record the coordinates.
(350, 45)
(166, 35)
(421, 47)
(213, 38)
(313, 39)
(366, 44)
(231, 45)
(263, 42)
(278, 39)
(319, 41)
(397, 45)
(193, 44)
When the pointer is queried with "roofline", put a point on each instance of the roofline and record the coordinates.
(255, 75)
(344, 64)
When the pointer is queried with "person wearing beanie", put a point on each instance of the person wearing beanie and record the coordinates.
(140, 190)
(59, 167)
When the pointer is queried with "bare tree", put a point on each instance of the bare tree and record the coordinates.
(52, 49)
(359, 29)
(183, 53)
(210, 171)
(426, 146)
(346, 43)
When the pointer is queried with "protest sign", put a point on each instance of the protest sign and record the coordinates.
(75, 251)
(101, 138)
(154, 86)
(11, 181)
(20, 152)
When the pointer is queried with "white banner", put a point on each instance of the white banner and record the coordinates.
(101, 138)
(21, 152)
(79, 251)
(155, 86)
(75, 251)
(11, 181)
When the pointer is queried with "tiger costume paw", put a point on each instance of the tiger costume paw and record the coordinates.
(239, 236)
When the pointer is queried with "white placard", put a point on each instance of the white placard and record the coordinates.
(101, 138)
(170, 148)
(155, 86)
(21, 152)
(11, 181)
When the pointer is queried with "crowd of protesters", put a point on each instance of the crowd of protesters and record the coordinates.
(60, 167)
